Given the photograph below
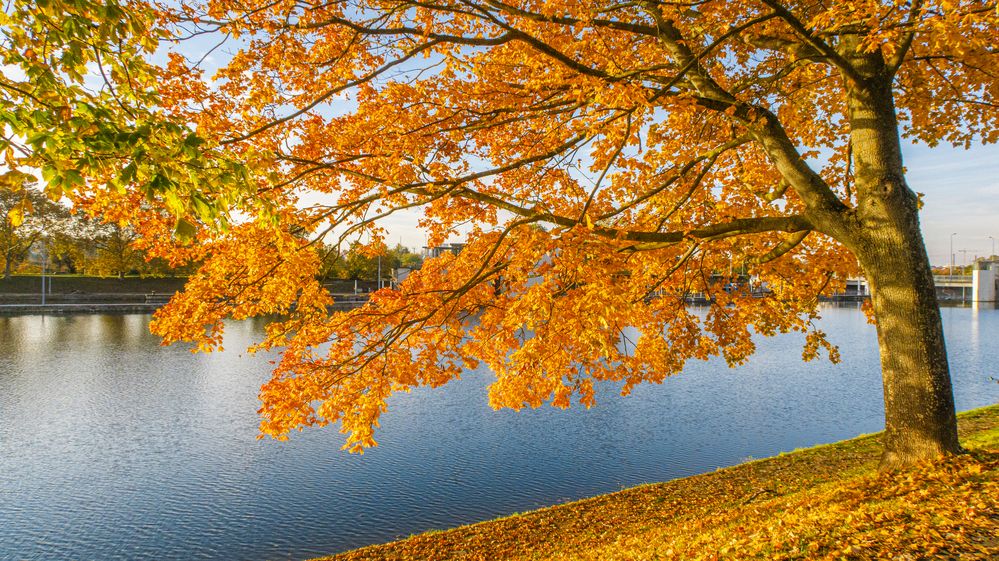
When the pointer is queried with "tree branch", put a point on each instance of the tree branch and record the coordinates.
(821, 46)
(780, 249)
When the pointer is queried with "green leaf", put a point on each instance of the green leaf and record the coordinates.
(173, 202)
(193, 140)
(72, 178)
(184, 230)
(127, 174)
(49, 173)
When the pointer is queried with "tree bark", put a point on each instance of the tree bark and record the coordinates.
(920, 421)
(884, 233)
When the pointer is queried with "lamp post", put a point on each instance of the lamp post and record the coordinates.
(991, 255)
(950, 271)
(45, 259)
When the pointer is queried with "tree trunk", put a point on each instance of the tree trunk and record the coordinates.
(920, 421)
(884, 233)
(6, 268)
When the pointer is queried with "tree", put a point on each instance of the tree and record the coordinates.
(660, 144)
(401, 256)
(359, 263)
(116, 253)
(67, 253)
(26, 218)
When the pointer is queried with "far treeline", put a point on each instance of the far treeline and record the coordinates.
(34, 230)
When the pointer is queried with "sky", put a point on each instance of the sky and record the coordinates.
(961, 196)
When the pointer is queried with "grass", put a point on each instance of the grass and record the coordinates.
(827, 502)
(78, 284)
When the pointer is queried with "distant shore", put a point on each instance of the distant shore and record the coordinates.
(84, 308)
(77, 294)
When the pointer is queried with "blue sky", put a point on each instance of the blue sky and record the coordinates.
(961, 194)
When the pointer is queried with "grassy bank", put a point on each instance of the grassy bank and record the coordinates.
(827, 502)
(78, 284)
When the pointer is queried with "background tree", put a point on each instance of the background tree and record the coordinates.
(658, 142)
(401, 256)
(27, 217)
(67, 254)
(359, 263)
(115, 251)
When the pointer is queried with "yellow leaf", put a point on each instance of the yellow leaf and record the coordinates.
(16, 216)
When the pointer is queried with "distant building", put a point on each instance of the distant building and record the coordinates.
(399, 274)
(985, 281)
(857, 287)
(455, 248)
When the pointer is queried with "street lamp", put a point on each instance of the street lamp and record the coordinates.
(45, 260)
(993, 254)
(950, 271)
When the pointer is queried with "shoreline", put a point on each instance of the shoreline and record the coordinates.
(827, 501)
(86, 305)
(66, 308)
(59, 304)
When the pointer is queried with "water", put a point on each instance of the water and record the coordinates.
(112, 447)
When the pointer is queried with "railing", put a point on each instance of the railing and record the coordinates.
(952, 279)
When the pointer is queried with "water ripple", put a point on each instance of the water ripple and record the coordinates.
(112, 447)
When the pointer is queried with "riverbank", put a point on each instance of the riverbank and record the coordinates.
(77, 294)
(827, 502)
(27, 286)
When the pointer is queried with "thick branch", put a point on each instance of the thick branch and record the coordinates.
(769, 133)
(895, 62)
(828, 52)
(735, 227)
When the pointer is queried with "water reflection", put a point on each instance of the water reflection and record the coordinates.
(113, 447)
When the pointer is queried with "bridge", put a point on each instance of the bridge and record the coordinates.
(981, 285)
(954, 287)
(955, 281)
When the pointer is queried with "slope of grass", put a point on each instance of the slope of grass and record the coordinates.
(828, 502)
(71, 284)
(82, 284)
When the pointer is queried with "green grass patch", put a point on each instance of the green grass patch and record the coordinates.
(78, 284)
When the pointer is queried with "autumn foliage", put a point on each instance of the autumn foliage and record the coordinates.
(664, 149)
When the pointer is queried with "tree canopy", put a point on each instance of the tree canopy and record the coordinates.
(659, 144)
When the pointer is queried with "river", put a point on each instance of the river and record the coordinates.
(112, 447)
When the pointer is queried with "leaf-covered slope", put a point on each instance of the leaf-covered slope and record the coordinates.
(828, 502)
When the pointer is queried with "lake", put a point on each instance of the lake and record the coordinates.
(112, 447)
